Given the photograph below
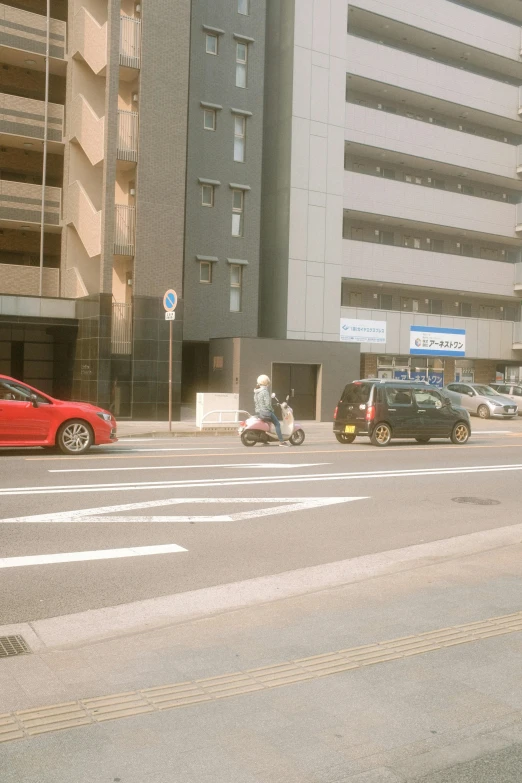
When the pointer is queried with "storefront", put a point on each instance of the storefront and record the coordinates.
(415, 368)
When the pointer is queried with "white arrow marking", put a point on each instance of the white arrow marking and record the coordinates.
(95, 514)
(77, 557)
(258, 465)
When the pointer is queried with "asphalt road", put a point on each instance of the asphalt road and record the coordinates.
(218, 498)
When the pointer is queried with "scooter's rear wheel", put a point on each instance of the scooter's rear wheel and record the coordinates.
(297, 438)
(249, 439)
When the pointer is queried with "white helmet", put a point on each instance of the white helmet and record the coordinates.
(263, 380)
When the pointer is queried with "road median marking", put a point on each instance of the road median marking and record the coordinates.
(24, 724)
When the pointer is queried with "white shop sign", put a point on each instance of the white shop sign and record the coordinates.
(353, 330)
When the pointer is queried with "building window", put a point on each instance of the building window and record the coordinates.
(238, 202)
(435, 306)
(465, 309)
(241, 64)
(385, 302)
(207, 195)
(236, 275)
(205, 272)
(209, 119)
(239, 138)
(211, 43)
(243, 7)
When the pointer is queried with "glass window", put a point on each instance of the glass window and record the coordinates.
(209, 119)
(238, 199)
(241, 64)
(243, 7)
(388, 173)
(356, 393)
(438, 245)
(517, 391)
(398, 396)
(207, 195)
(386, 237)
(354, 299)
(386, 302)
(510, 313)
(15, 392)
(357, 233)
(427, 399)
(239, 139)
(211, 43)
(436, 306)
(205, 272)
(465, 309)
(236, 279)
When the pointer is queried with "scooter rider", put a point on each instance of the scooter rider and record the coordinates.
(263, 406)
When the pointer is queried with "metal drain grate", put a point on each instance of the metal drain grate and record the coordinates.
(13, 645)
(478, 501)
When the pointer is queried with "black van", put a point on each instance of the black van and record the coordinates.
(384, 410)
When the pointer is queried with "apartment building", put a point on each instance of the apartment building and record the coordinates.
(396, 183)
(301, 173)
(93, 106)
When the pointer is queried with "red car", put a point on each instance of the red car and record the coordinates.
(29, 417)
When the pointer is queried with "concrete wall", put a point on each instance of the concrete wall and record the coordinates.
(211, 156)
(338, 365)
(484, 339)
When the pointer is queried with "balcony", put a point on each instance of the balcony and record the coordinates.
(28, 32)
(86, 219)
(127, 136)
(87, 129)
(130, 42)
(18, 280)
(121, 342)
(409, 267)
(364, 125)
(485, 339)
(22, 203)
(25, 117)
(124, 230)
(493, 36)
(408, 71)
(89, 40)
(372, 195)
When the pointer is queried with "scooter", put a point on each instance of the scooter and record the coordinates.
(255, 430)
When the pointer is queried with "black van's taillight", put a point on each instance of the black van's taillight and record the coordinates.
(370, 413)
(335, 413)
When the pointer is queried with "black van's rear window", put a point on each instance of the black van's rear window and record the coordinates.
(357, 393)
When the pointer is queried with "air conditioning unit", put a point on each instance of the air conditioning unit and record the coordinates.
(132, 191)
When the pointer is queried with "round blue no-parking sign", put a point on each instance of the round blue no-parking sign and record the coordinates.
(170, 300)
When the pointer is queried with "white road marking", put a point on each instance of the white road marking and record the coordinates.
(94, 514)
(258, 480)
(492, 432)
(77, 557)
(258, 465)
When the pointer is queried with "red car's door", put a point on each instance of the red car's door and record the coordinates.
(20, 421)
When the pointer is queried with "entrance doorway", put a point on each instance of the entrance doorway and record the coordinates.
(299, 382)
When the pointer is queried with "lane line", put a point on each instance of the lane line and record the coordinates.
(93, 514)
(239, 481)
(78, 557)
(354, 450)
(257, 466)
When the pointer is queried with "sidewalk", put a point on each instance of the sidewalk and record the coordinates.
(187, 428)
(436, 683)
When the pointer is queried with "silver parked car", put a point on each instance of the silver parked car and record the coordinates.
(511, 390)
(481, 400)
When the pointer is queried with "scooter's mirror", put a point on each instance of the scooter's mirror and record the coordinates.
(287, 397)
(273, 396)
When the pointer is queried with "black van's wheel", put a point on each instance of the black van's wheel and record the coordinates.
(248, 438)
(422, 440)
(483, 411)
(381, 435)
(342, 437)
(297, 438)
(460, 433)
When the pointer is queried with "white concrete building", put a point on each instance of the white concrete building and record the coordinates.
(392, 182)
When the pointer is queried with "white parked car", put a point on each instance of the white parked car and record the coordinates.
(511, 390)
(482, 400)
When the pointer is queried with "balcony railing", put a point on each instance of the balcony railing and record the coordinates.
(26, 117)
(128, 135)
(130, 42)
(121, 328)
(19, 280)
(28, 32)
(22, 202)
(124, 230)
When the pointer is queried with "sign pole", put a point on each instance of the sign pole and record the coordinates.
(170, 376)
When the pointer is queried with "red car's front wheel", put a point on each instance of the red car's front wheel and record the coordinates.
(74, 437)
